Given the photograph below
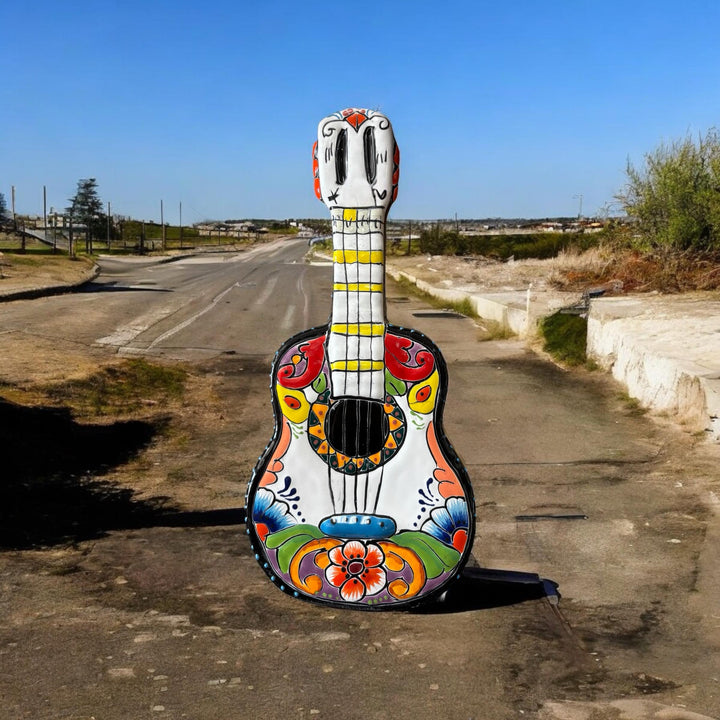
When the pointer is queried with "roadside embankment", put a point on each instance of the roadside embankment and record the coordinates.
(663, 349)
(23, 277)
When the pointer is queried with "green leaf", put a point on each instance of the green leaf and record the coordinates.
(288, 549)
(393, 385)
(436, 556)
(320, 383)
(282, 536)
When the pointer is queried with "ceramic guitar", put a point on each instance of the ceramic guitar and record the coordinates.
(359, 499)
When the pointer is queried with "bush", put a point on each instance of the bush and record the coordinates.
(565, 337)
(502, 247)
(675, 197)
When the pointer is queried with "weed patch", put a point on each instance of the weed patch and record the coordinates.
(632, 405)
(667, 271)
(121, 389)
(565, 338)
(493, 330)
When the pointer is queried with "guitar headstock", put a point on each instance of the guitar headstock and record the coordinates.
(356, 161)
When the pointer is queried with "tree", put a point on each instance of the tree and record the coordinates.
(86, 208)
(3, 208)
(675, 197)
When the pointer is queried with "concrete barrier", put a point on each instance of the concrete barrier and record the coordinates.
(665, 350)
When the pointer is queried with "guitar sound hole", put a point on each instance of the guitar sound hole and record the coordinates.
(357, 427)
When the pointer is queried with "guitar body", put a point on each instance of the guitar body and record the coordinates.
(359, 499)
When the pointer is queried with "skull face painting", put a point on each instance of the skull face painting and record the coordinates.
(357, 160)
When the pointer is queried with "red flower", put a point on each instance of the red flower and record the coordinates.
(355, 569)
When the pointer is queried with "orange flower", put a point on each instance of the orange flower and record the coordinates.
(355, 569)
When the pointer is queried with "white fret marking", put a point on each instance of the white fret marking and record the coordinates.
(359, 245)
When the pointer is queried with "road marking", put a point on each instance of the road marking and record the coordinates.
(191, 319)
(129, 332)
(288, 318)
(267, 290)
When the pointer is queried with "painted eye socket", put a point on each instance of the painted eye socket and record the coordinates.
(341, 157)
(370, 156)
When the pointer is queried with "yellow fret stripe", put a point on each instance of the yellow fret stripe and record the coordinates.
(357, 365)
(349, 214)
(358, 328)
(358, 287)
(358, 256)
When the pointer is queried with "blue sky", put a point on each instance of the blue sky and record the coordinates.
(500, 109)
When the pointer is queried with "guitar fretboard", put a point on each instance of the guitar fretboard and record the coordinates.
(357, 328)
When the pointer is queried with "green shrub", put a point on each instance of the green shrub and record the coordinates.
(531, 245)
(675, 197)
(565, 337)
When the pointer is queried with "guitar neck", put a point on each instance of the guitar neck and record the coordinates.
(356, 348)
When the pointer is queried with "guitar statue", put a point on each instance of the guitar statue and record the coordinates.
(359, 500)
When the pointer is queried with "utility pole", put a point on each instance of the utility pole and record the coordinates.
(107, 235)
(181, 227)
(457, 225)
(580, 210)
(53, 217)
(12, 193)
(162, 223)
(45, 211)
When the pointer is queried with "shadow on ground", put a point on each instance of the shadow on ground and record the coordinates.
(103, 287)
(484, 588)
(51, 468)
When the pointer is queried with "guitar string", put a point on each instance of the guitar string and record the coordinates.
(382, 280)
(329, 336)
(371, 244)
(359, 353)
(344, 225)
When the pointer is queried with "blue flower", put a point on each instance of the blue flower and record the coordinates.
(270, 514)
(449, 524)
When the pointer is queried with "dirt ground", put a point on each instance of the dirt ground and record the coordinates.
(131, 605)
(614, 270)
(18, 272)
(483, 273)
(120, 584)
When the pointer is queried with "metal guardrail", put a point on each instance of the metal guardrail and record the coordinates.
(582, 307)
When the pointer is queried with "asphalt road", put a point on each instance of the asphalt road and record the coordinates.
(175, 619)
(191, 309)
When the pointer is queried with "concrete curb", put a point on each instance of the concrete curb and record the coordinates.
(519, 312)
(653, 361)
(665, 351)
(32, 293)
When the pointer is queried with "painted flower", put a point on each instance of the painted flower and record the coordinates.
(355, 569)
(449, 524)
(270, 514)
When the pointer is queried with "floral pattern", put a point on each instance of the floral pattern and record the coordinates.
(449, 524)
(356, 570)
(270, 514)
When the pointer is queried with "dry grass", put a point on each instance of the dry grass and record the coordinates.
(120, 389)
(128, 388)
(659, 271)
(19, 271)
